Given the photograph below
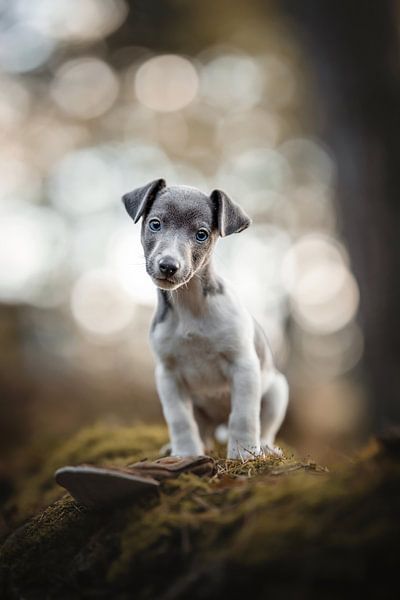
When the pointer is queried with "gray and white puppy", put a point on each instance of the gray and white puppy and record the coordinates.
(213, 362)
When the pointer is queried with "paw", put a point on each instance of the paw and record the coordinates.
(268, 450)
(241, 452)
(186, 449)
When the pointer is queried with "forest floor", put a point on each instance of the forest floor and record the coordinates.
(277, 526)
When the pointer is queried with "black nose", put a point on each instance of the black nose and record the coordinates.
(168, 265)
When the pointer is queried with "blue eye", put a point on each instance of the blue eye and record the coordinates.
(202, 235)
(155, 225)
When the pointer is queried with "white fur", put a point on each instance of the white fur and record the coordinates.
(205, 358)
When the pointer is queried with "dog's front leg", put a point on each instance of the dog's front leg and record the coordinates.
(178, 412)
(244, 420)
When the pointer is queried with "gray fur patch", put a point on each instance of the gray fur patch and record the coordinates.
(163, 306)
(213, 287)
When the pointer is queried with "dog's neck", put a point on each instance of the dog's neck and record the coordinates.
(194, 296)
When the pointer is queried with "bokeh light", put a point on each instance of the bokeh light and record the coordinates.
(232, 82)
(323, 292)
(73, 20)
(33, 244)
(99, 305)
(85, 88)
(22, 49)
(85, 181)
(310, 163)
(166, 83)
(252, 170)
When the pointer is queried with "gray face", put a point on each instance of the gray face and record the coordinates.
(178, 235)
(180, 228)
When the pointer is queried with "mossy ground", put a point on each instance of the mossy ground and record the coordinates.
(273, 526)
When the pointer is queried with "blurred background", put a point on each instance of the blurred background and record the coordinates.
(98, 97)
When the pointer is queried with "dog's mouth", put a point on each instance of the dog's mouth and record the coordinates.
(165, 283)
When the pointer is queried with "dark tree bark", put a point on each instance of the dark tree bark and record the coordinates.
(353, 51)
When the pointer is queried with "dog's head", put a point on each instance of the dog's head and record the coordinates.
(180, 226)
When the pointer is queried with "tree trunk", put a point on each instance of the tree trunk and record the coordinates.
(353, 51)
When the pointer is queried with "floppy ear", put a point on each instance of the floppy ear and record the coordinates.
(231, 218)
(139, 200)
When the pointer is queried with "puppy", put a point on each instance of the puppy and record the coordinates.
(213, 362)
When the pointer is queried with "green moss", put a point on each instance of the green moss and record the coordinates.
(36, 551)
(268, 524)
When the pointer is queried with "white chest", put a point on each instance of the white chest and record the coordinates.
(197, 352)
